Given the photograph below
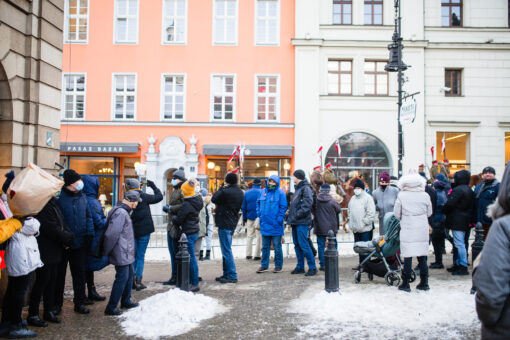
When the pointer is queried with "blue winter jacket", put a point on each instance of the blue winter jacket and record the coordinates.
(91, 190)
(271, 208)
(77, 216)
(485, 195)
(250, 203)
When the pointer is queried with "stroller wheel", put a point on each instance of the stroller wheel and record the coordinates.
(392, 278)
(357, 277)
(370, 276)
(413, 276)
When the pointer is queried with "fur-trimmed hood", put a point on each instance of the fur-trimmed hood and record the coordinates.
(412, 182)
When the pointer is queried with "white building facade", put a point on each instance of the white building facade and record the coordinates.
(459, 53)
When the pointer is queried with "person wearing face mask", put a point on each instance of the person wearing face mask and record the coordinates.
(119, 246)
(77, 217)
(361, 214)
(384, 198)
(172, 209)
(485, 195)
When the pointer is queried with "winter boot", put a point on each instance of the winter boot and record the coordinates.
(424, 283)
(141, 283)
(453, 268)
(405, 284)
(138, 284)
(207, 255)
(93, 294)
(18, 331)
(201, 255)
(461, 271)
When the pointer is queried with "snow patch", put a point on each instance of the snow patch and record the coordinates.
(169, 314)
(447, 311)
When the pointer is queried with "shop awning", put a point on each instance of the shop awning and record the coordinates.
(254, 150)
(76, 147)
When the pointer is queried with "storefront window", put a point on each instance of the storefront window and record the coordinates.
(455, 148)
(507, 147)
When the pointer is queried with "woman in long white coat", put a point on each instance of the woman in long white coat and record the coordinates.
(412, 208)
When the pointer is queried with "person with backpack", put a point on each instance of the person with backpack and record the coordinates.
(442, 187)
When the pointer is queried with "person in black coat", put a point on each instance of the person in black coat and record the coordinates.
(228, 200)
(53, 238)
(459, 216)
(485, 194)
(143, 225)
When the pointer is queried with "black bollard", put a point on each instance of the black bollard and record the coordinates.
(476, 248)
(182, 258)
(331, 259)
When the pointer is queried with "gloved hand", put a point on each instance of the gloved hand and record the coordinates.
(166, 208)
(151, 184)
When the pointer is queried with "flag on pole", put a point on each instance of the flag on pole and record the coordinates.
(235, 171)
(443, 144)
(338, 149)
(234, 153)
(329, 165)
(320, 149)
(432, 152)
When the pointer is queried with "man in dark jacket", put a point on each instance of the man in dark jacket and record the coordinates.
(251, 220)
(271, 208)
(326, 219)
(143, 225)
(300, 218)
(172, 209)
(492, 275)
(459, 216)
(228, 200)
(91, 191)
(485, 194)
(119, 246)
(187, 221)
(78, 219)
(442, 187)
(53, 238)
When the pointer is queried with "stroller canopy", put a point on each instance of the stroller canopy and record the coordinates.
(392, 235)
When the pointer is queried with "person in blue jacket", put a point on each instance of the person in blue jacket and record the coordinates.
(485, 194)
(91, 191)
(250, 219)
(78, 219)
(271, 208)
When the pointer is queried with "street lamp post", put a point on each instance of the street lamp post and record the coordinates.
(396, 64)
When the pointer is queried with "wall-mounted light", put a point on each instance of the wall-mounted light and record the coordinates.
(210, 165)
(286, 166)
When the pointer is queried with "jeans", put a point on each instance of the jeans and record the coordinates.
(362, 237)
(302, 247)
(321, 245)
(14, 298)
(193, 264)
(77, 259)
(141, 244)
(173, 247)
(44, 286)
(266, 251)
(121, 286)
(422, 264)
(458, 240)
(229, 266)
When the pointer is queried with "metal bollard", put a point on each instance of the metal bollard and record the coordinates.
(476, 248)
(182, 258)
(331, 259)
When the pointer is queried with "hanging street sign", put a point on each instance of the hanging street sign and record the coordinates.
(408, 112)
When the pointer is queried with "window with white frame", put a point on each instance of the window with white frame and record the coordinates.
(174, 21)
(223, 97)
(124, 96)
(173, 96)
(225, 21)
(268, 98)
(376, 78)
(126, 21)
(73, 93)
(76, 21)
(268, 22)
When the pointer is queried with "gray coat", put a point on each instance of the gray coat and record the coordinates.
(361, 213)
(492, 281)
(119, 238)
(385, 200)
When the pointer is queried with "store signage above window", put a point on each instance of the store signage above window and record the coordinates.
(408, 112)
(99, 147)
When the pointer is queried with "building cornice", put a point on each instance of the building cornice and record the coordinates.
(178, 124)
(466, 29)
(464, 45)
(301, 42)
(454, 123)
(504, 124)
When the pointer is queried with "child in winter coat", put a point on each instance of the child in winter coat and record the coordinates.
(21, 258)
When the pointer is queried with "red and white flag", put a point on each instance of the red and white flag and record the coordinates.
(443, 144)
(329, 165)
(235, 153)
(317, 168)
(320, 149)
(432, 152)
(338, 149)
(235, 171)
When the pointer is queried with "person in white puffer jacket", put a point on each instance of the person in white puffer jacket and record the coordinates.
(21, 259)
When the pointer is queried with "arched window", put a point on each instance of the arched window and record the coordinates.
(361, 153)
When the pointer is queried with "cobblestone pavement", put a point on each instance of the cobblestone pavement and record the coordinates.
(258, 304)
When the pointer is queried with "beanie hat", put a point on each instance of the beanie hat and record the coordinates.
(325, 188)
(179, 174)
(132, 184)
(384, 177)
(299, 174)
(231, 178)
(441, 178)
(132, 196)
(70, 177)
(257, 181)
(359, 184)
(489, 169)
(8, 179)
(188, 189)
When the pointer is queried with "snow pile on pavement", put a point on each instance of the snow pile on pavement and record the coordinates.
(169, 314)
(374, 311)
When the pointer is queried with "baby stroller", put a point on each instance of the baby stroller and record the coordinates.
(382, 255)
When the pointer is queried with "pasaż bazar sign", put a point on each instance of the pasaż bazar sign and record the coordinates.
(408, 112)
(99, 147)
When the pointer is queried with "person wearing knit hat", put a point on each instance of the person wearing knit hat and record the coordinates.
(300, 218)
(384, 198)
(485, 195)
(228, 200)
(71, 177)
(179, 174)
(187, 220)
